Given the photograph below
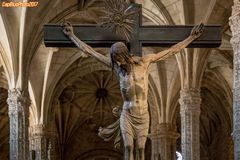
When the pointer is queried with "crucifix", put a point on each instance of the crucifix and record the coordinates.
(152, 36)
(132, 70)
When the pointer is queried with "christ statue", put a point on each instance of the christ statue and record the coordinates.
(132, 73)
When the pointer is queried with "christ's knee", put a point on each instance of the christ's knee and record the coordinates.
(129, 148)
(127, 139)
(141, 150)
(141, 141)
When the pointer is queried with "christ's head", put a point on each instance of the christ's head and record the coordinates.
(120, 54)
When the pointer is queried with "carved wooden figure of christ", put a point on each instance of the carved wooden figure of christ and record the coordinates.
(132, 72)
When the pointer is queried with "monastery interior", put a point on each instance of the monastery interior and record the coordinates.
(66, 97)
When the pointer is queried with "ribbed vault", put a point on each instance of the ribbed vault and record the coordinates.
(83, 103)
(215, 119)
(80, 92)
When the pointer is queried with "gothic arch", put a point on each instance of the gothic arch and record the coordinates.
(5, 55)
(84, 97)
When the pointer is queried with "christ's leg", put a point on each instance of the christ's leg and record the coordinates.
(140, 148)
(128, 146)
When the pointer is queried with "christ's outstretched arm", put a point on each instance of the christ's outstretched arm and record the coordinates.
(68, 31)
(195, 33)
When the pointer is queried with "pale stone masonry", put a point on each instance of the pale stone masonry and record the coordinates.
(18, 116)
(38, 142)
(42, 143)
(164, 142)
(235, 41)
(190, 102)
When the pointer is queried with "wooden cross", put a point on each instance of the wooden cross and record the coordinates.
(160, 36)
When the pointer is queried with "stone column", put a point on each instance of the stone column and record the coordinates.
(18, 118)
(42, 140)
(38, 142)
(190, 112)
(53, 153)
(235, 41)
(163, 143)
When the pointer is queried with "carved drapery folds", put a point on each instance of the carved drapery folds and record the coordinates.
(43, 141)
(235, 41)
(190, 112)
(18, 116)
(163, 142)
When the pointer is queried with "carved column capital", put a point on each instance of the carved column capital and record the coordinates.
(164, 130)
(190, 100)
(163, 142)
(42, 130)
(18, 94)
(43, 142)
(17, 98)
(39, 130)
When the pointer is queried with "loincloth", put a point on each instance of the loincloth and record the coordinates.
(136, 125)
(132, 122)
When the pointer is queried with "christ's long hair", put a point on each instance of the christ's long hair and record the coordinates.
(120, 49)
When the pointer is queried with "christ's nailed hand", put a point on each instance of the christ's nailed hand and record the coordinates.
(197, 30)
(67, 28)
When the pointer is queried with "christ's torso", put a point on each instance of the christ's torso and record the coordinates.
(134, 88)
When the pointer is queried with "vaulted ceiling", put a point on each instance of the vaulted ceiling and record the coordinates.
(51, 73)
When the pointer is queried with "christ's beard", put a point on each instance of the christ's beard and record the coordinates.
(126, 68)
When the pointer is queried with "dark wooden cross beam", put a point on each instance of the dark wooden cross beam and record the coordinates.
(160, 36)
